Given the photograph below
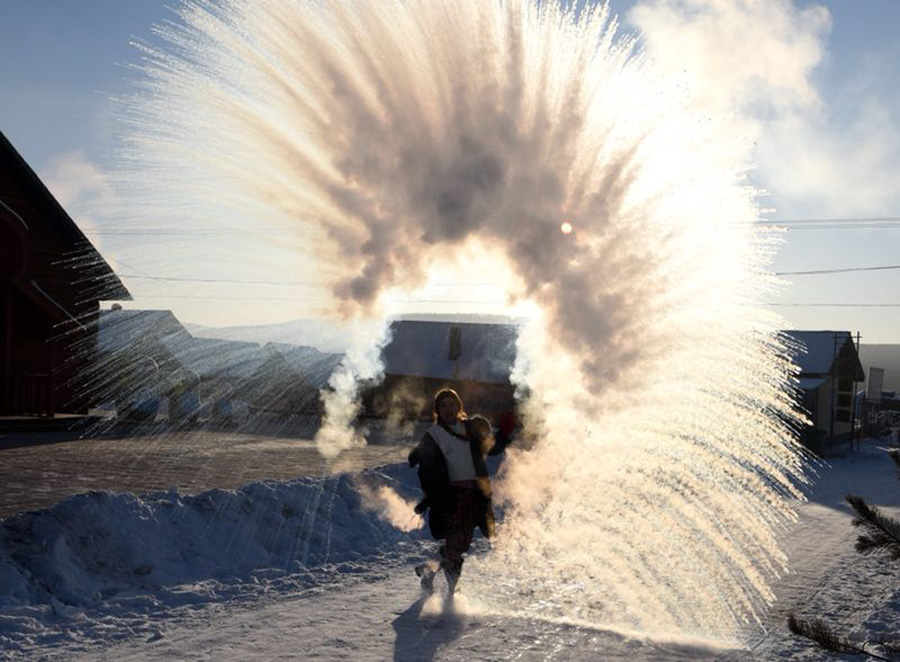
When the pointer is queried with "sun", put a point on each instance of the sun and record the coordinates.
(566, 227)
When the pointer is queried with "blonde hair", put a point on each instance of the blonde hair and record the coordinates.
(442, 394)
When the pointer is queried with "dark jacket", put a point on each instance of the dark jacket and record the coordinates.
(440, 495)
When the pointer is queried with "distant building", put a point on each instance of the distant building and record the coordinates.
(216, 361)
(829, 371)
(52, 280)
(130, 335)
(135, 362)
(885, 356)
(290, 379)
(227, 371)
(470, 354)
(877, 408)
(313, 366)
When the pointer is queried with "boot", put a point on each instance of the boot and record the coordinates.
(426, 572)
(452, 579)
(452, 572)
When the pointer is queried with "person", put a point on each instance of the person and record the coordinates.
(454, 478)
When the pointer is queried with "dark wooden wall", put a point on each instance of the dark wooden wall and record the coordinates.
(51, 281)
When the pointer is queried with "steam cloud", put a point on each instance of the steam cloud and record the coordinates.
(660, 447)
(362, 363)
(753, 62)
(82, 187)
(390, 506)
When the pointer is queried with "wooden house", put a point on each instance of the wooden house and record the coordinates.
(52, 280)
(829, 371)
(472, 354)
(133, 334)
(226, 368)
(290, 379)
(215, 360)
(134, 354)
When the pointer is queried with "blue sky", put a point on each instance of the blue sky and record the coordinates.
(835, 156)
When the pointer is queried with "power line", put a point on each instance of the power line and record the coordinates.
(216, 280)
(808, 224)
(468, 301)
(836, 305)
(842, 223)
(842, 227)
(146, 276)
(198, 231)
(225, 298)
(849, 219)
(309, 300)
(472, 302)
(239, 314)
(836, 271)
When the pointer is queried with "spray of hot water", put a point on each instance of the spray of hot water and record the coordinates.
(659, 460)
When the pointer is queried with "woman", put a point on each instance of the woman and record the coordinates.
(454, 478)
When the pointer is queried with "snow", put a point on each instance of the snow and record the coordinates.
(308, 569)
(857, 595)
(817, 350)
(68, 571)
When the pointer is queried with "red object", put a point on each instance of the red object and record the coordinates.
(507, 423)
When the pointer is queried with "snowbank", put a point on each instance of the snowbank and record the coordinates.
(127, 552)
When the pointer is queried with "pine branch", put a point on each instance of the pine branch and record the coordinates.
(881, 533)
(820, 633)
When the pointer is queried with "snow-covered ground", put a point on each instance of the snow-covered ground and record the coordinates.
(307, 569)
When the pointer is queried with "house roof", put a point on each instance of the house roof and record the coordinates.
(484, 352)
(462, 318)
(815, 352)
(314, 366)
(811, 383)
(213, 357)
(120, 329)
(52, 214)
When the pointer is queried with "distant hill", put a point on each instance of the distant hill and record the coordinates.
(325, 336)
(883, 356)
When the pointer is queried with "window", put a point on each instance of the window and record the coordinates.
(455, 349)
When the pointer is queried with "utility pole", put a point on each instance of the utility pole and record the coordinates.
(853, 405)
(833, 393)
